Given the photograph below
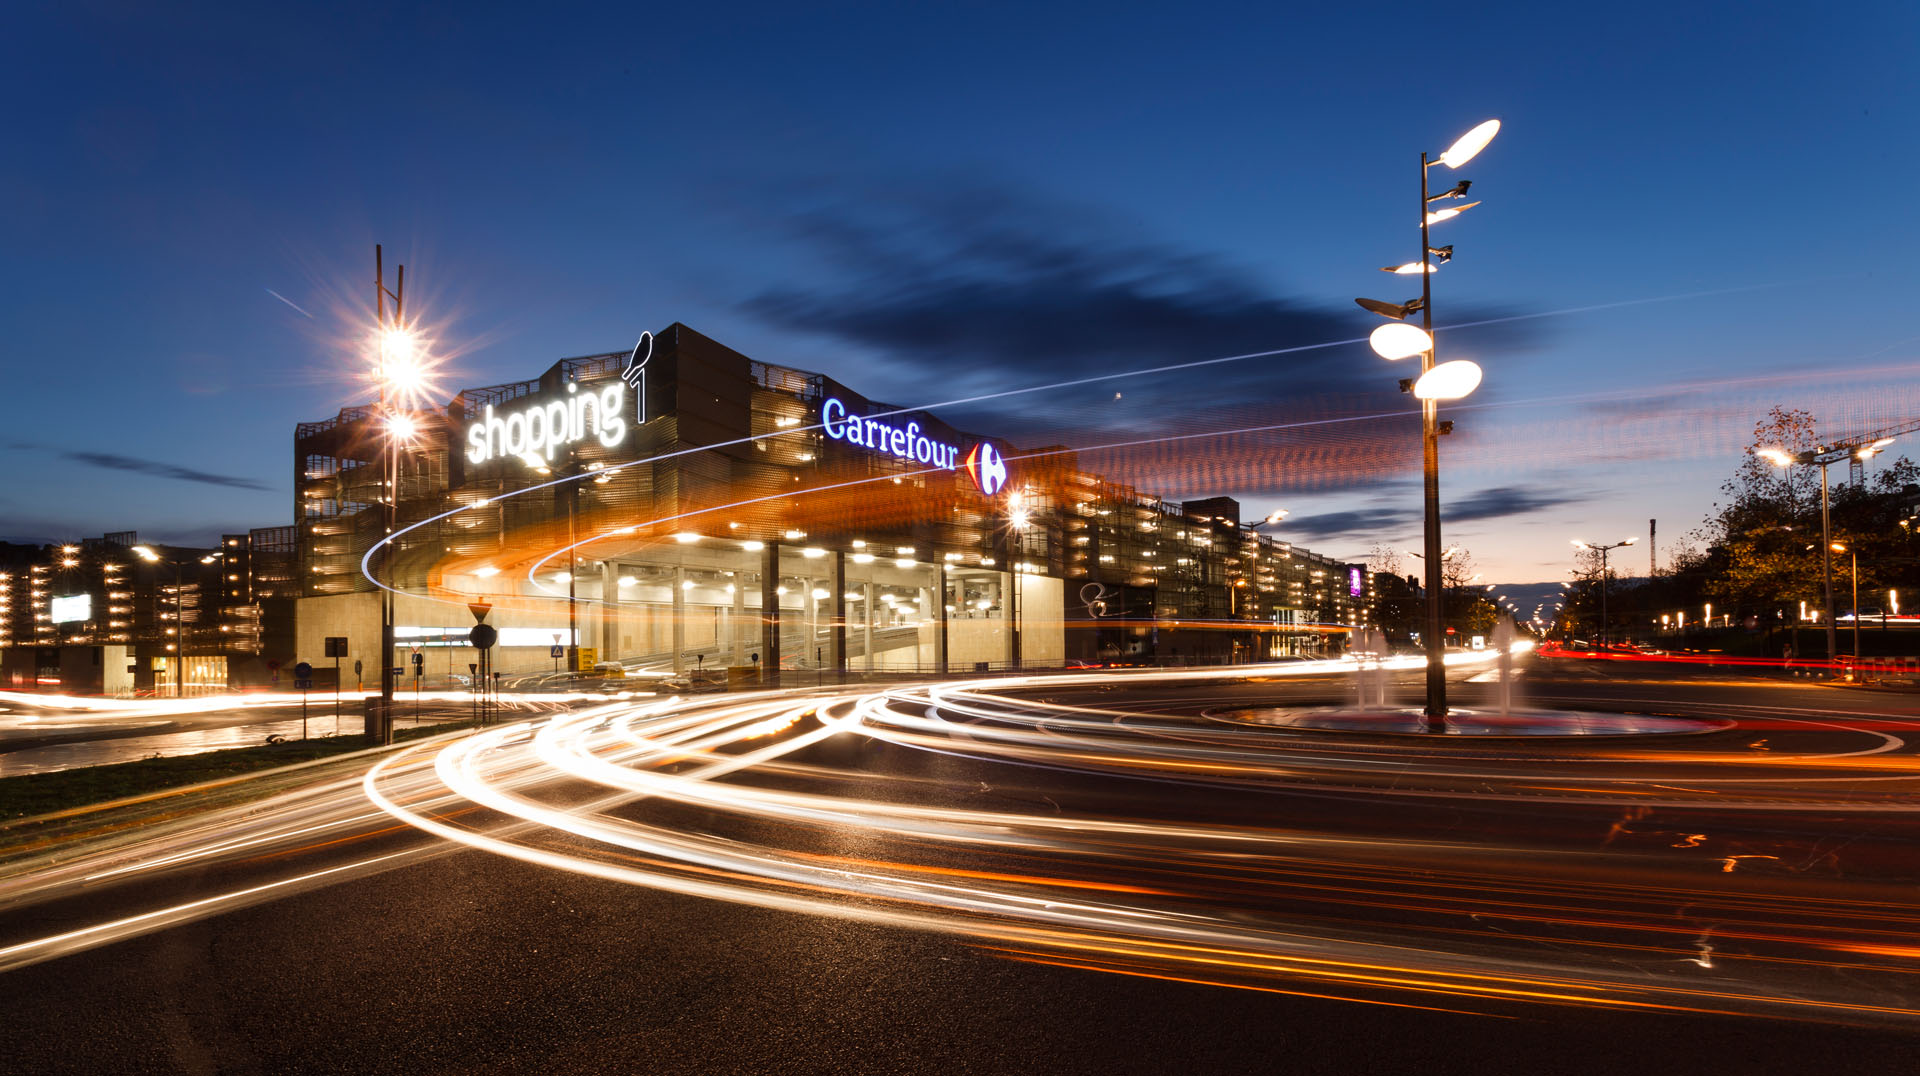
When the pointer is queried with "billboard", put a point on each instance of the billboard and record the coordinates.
(71, 608)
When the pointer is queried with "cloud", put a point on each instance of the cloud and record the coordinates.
(1507, 501)
(1363, 523)
(980, 290)
(112, 462)
(1379, 524)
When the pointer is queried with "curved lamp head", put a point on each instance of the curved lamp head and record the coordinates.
(1396, 311)
(1439, 215)
(1409, 269)
(1779, 457)
(1469, 145)
(1448, 381)
(1398, 340)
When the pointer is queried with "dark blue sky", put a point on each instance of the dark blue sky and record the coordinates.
(927, 202)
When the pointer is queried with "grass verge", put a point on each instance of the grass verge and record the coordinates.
(35, 794)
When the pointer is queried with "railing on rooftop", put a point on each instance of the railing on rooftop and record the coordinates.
(784, 379)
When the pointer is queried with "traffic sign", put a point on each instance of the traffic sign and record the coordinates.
(398, 671)
(303, 684)
(419, 658)
(557, 651)
(303, 671)
(336, 646)
(479, 610)
(483, 635)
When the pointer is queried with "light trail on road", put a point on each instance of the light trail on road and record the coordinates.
(1076, 820)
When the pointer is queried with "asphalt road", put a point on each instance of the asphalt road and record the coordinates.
(422, 955)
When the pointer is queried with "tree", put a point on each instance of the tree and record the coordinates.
(1466, 609)
(1762, 545)
(1762, 526)
(1397, 607)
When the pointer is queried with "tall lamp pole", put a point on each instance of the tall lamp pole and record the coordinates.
(1605, 634)
(147, 554)
(1853, 571)
(1438, 381)
(1825, 455)
(402, 378)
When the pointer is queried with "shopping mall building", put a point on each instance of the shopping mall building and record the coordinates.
(684, 507)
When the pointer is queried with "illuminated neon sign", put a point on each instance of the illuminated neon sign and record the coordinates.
(545, 428)
(635, 372)
(985, 465)
(905, 442)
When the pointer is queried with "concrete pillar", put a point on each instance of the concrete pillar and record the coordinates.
(737, 632)
(866, 620)
(811, 650)
(770, 616)
(940, 638)
(1012, 602)
(838, 586)
(925, 615)
(609, 618)
(679, 626)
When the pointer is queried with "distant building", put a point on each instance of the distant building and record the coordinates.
(97, 617)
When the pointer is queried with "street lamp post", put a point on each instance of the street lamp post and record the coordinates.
(1853, 572)
(389, 341)
(404, 377)
(147, 554)
(1605, 635)
(1825, 455)
(1438, 381)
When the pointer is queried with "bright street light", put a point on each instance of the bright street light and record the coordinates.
(1469, 145)
(1398, 340)
(1448, 381)
(402, 428)
(1449, 213)
(1438, 381)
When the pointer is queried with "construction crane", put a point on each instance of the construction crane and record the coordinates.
(1857, 463)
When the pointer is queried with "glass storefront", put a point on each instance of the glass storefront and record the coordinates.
(205, 675)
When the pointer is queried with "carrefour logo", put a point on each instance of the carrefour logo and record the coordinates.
(987, 467)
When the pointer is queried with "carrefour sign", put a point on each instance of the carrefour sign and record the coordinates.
(985, 465)
(542, 429)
